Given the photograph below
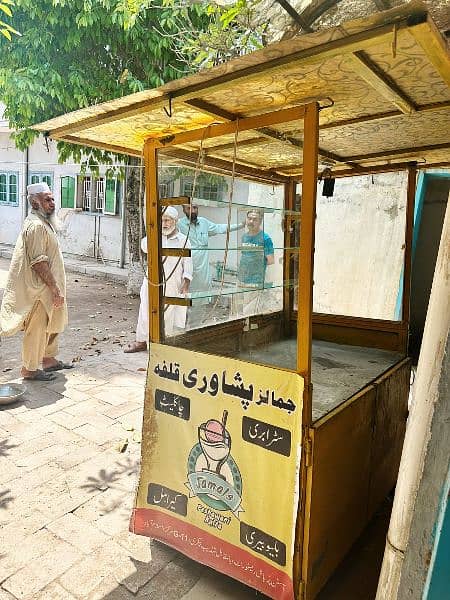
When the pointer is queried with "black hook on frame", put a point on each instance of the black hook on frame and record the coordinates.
(169, 112)
(46, 138)
(329, 105)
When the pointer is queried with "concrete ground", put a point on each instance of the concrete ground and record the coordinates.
(69, 455)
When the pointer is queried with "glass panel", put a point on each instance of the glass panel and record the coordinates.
(47, 179)
(3, 188)
(360, 235)
(13, 189)
(35, 179)
(238, 275)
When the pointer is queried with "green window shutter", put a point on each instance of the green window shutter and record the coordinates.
(110, 197)
(71, 192)
(3, 188)
(48, 180)
(64, 192)
(13, 189)
(35, 179)
(67, 192)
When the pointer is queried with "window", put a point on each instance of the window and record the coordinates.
(110, 207)
(206, 190)
(67, 192)
(98, 194)
(9, 188)
(166, 189)
(86, 193)
(47, 178)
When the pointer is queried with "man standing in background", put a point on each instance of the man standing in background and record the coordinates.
(178, 276)
(255, 266)
(199, 230)
(35, 295)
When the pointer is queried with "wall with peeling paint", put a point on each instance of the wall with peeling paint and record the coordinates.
(424, 546)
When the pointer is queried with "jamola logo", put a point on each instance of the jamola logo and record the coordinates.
(213, 475)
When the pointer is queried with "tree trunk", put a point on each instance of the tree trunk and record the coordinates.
(135, 217)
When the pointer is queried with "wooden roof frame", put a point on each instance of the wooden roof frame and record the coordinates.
(381, 27)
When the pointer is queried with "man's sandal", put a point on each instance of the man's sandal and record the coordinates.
(40, 376)
(59, 366)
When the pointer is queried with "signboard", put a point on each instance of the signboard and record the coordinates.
(220, 465)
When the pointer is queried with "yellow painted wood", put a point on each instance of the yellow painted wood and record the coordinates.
(349, 37)
(175, 252)
(174, 301)
(431, 42)
(339, 487)
(153, 241)
(359, 129)
(212, 131)
(179, 200)
(374, 77)
(306, 255)
(290, 253)
(304, 319)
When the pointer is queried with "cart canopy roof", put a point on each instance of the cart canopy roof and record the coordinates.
(383, 83)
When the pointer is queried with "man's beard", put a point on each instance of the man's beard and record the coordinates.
(168, 230)
(52, 219)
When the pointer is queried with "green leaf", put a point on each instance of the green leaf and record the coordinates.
(6, 9)
(6, 33)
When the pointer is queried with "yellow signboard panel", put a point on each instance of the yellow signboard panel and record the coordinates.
(220, 464)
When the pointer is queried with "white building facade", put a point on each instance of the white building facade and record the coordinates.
(91, 229)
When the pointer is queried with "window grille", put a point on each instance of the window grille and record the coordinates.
(100, 194)
(87, 193)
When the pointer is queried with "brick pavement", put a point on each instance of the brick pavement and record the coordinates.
(66, 491)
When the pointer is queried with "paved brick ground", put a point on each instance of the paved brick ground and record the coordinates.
(66, 491)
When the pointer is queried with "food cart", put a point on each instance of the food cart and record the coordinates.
(272, 434)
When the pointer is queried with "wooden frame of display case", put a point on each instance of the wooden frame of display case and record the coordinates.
(351, 454)
(324, 453)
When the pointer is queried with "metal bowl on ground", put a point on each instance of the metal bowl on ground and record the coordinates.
(11, 392)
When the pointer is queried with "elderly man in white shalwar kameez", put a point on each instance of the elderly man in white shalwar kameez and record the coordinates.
(35, 295)
(178, 274)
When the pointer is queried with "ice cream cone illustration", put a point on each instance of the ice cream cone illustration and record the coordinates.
(215, 442)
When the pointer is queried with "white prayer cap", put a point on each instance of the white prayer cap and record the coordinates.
(38, 188)
(171, 212)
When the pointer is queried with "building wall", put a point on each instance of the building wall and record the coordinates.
(11, 159)
(79, 226)
(360, 234)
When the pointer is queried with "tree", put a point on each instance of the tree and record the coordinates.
(75, 53)
(5, 28)
(228, 31)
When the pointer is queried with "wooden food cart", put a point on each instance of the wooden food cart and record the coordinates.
(270, 438)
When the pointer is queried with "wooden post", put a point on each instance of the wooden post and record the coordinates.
(407, 265)
(288, 266)
(307, 231)
(153, 241)
(304, 336)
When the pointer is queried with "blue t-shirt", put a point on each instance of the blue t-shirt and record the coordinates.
(253, 262)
